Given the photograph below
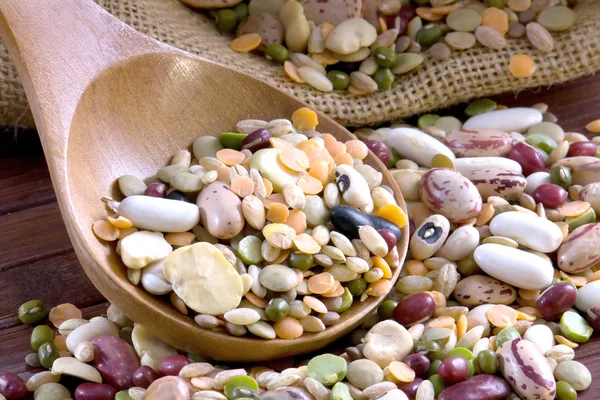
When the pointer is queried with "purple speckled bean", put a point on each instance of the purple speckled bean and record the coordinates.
(498, 182)
(580, 250)
(480, 387)
(479, 143)
(526, 370)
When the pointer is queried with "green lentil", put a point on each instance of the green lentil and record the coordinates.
(495, 3)
(564, 391)
(41, 334)
(429, 34)
(461, 352)
(438, 384)
(277, 52)
(541, 141)
(574, 327)
(427, 120)
(448, 124)
(505, 335)
(302, 261)
(241, 11)
(240, 381)
(123, 395)
(227, 20)
(561, 176)
(232, 140)
(327, 369)
(586, 218)
(339, 79)
(386, 309)
(433, 367)
(480, 106)
(32, 312)
(277, 309)
(394, 158)
(472, 365)
(428, 346)
(385, 57)
(357, 286)
(384, 78)
(249, 250)
(196, 358)
(488, 361)
(47, 354)
(347, 301)
(467, 266)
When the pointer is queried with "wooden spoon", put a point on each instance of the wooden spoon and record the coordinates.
(110, 101)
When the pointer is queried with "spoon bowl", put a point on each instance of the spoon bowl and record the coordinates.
(109, 101)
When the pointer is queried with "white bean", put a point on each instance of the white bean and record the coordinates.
(157, 214)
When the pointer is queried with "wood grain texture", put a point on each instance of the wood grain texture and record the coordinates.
(116, 108)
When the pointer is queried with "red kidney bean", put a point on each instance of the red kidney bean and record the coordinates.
(389, 237)
(156, 189)
(95, 391)
(418, 362)
(12, 386)
(550, 195)
(144, 376)
(479, 387)
(414, 308)
(555, 300)
(380, 150)
(257, 140)
(453, 370)
(172, 365)
(410, 388)
(593, 317)
(578, 149)
(530, 160)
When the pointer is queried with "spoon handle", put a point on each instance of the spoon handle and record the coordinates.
(59, 46)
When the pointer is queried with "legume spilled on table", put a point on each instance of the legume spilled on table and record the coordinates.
(262, 229)
(363, 46)
(500, 287)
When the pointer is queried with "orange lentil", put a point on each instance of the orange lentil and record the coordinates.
(321, 283)
(60, 342)
(282, 257)
(257, 301)
(230, 157)
(496, 19)
(246, 43)
(574, 208)
(310, 185)
(297, 220)
(442, 322)
(337, 290)
(415, 267)
(123, 233)
(305, 119)
(393, 213)
(443, 10)
(292, 71)
(343, 159)
(401, 371)
(316, 154)
(120, 222)
(306, 244)
(328, 138)
(223, 174)
(382, 25)
(335, 148)
(180, 238)
(278, 143)
(288, 328)
(426, 14)
(521, 66)
(594, 277)
(485, 215)
(593, 126)
(420, 212)
(379, 262)
(320, 171)
(461, 326)
(105, 230)
(294, 159)
(357, 149)
(268, 186)
(242, 186)
(438, 298)
(326, 29)
(576, 280)
(278, 213)
(502, 316)
(62, 313)
(315, 304)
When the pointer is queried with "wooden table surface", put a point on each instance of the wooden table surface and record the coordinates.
(37, 260)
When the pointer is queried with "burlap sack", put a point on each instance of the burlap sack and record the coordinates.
(473, 73)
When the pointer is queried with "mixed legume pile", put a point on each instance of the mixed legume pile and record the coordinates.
(292, 229)
(500, 287)
(362, 46)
